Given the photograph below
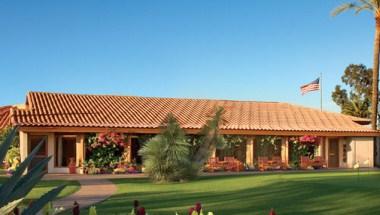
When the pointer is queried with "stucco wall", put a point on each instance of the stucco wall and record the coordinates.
(360, 149)
(51, 138)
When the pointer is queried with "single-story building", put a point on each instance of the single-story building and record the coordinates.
(65, 119)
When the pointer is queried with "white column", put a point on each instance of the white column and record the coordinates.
(79, 149)
(249, 152)
(59, 151)
(327, 151)
(50, 145)
(23, 145)
(284, 149)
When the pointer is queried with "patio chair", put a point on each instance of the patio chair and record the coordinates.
(213, 164)
(305, 162)
(231, 164)
(277, 163)
(319, 162)
(263, 163)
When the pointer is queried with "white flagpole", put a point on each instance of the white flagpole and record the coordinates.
(320, 86)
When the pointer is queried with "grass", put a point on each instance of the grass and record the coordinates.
(44, 186)
(289, 193)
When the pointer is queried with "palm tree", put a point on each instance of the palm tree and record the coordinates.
(374, 7)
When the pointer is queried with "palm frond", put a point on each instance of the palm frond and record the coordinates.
(344, 7)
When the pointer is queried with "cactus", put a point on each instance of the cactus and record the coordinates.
(13, 190)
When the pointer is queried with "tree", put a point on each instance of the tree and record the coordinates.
(356, 102)
(166, 156)
(374, 7)
(210, 138)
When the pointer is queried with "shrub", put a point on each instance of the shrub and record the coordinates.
(105, 149)
(14, 189)
(209, 139)
(166, 157)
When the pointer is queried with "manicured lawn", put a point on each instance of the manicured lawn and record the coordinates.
(290, 193)
(45, 186)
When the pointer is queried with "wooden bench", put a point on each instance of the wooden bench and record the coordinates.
(316, 163)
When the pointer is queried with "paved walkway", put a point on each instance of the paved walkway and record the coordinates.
(92, 191)
(79, 177)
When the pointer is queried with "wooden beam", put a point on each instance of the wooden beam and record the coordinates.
(195, 131)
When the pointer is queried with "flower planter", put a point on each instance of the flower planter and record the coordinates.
(72, 166)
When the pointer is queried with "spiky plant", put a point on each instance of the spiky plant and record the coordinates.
(15, 188)
(374, 7)
(166, 157)
(210, 138)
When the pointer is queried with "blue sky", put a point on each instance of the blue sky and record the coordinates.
(243, 49)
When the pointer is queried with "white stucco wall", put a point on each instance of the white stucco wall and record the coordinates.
(360, 149)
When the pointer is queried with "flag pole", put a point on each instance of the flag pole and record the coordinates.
(320, 84)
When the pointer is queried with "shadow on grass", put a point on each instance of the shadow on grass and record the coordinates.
(289, 194)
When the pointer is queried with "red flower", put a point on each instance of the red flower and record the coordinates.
(198, 207)
(191, 210)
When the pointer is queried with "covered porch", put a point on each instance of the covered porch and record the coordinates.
(289, 152)
(242, 153)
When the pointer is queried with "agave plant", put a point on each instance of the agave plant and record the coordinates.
(166, 157)
(15, 188)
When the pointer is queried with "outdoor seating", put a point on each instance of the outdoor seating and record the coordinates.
(317, 163)
(263, 163)
(214, 164)
(305, 162)
(228, 164)
(276, 163)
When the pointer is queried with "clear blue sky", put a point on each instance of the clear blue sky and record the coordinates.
(247, 50)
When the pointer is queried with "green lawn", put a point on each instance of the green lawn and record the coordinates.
(44, 186)
(290, 193)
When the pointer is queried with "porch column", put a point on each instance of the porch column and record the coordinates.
(79, 146)
(285, 150)
(249, 152)
(23, 145)
(129, 149)
(50, 150)
(326, 150)
(213, 153)
(320, 146)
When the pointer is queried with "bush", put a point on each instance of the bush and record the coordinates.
(106, 149)
(166, 157)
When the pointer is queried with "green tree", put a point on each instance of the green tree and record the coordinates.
(210, 139)
(374, 7)
(166, 156)
(356, 101)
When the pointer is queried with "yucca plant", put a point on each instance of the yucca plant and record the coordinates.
(210, 138)
(166, 157)
(15, 188)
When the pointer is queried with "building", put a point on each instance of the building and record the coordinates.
(63, 120)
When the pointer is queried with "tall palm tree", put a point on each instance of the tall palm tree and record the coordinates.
(374, 7)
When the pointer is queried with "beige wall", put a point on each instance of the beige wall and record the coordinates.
(360, 149)
(80, 150)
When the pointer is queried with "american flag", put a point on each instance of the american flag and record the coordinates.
(312, 86)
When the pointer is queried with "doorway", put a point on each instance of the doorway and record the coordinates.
(333, 153)
(135, 147)
(65, 150)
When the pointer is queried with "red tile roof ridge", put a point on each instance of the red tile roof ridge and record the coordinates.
(153, 97)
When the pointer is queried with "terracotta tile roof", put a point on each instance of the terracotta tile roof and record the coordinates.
(5, 119)
(73, 110)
